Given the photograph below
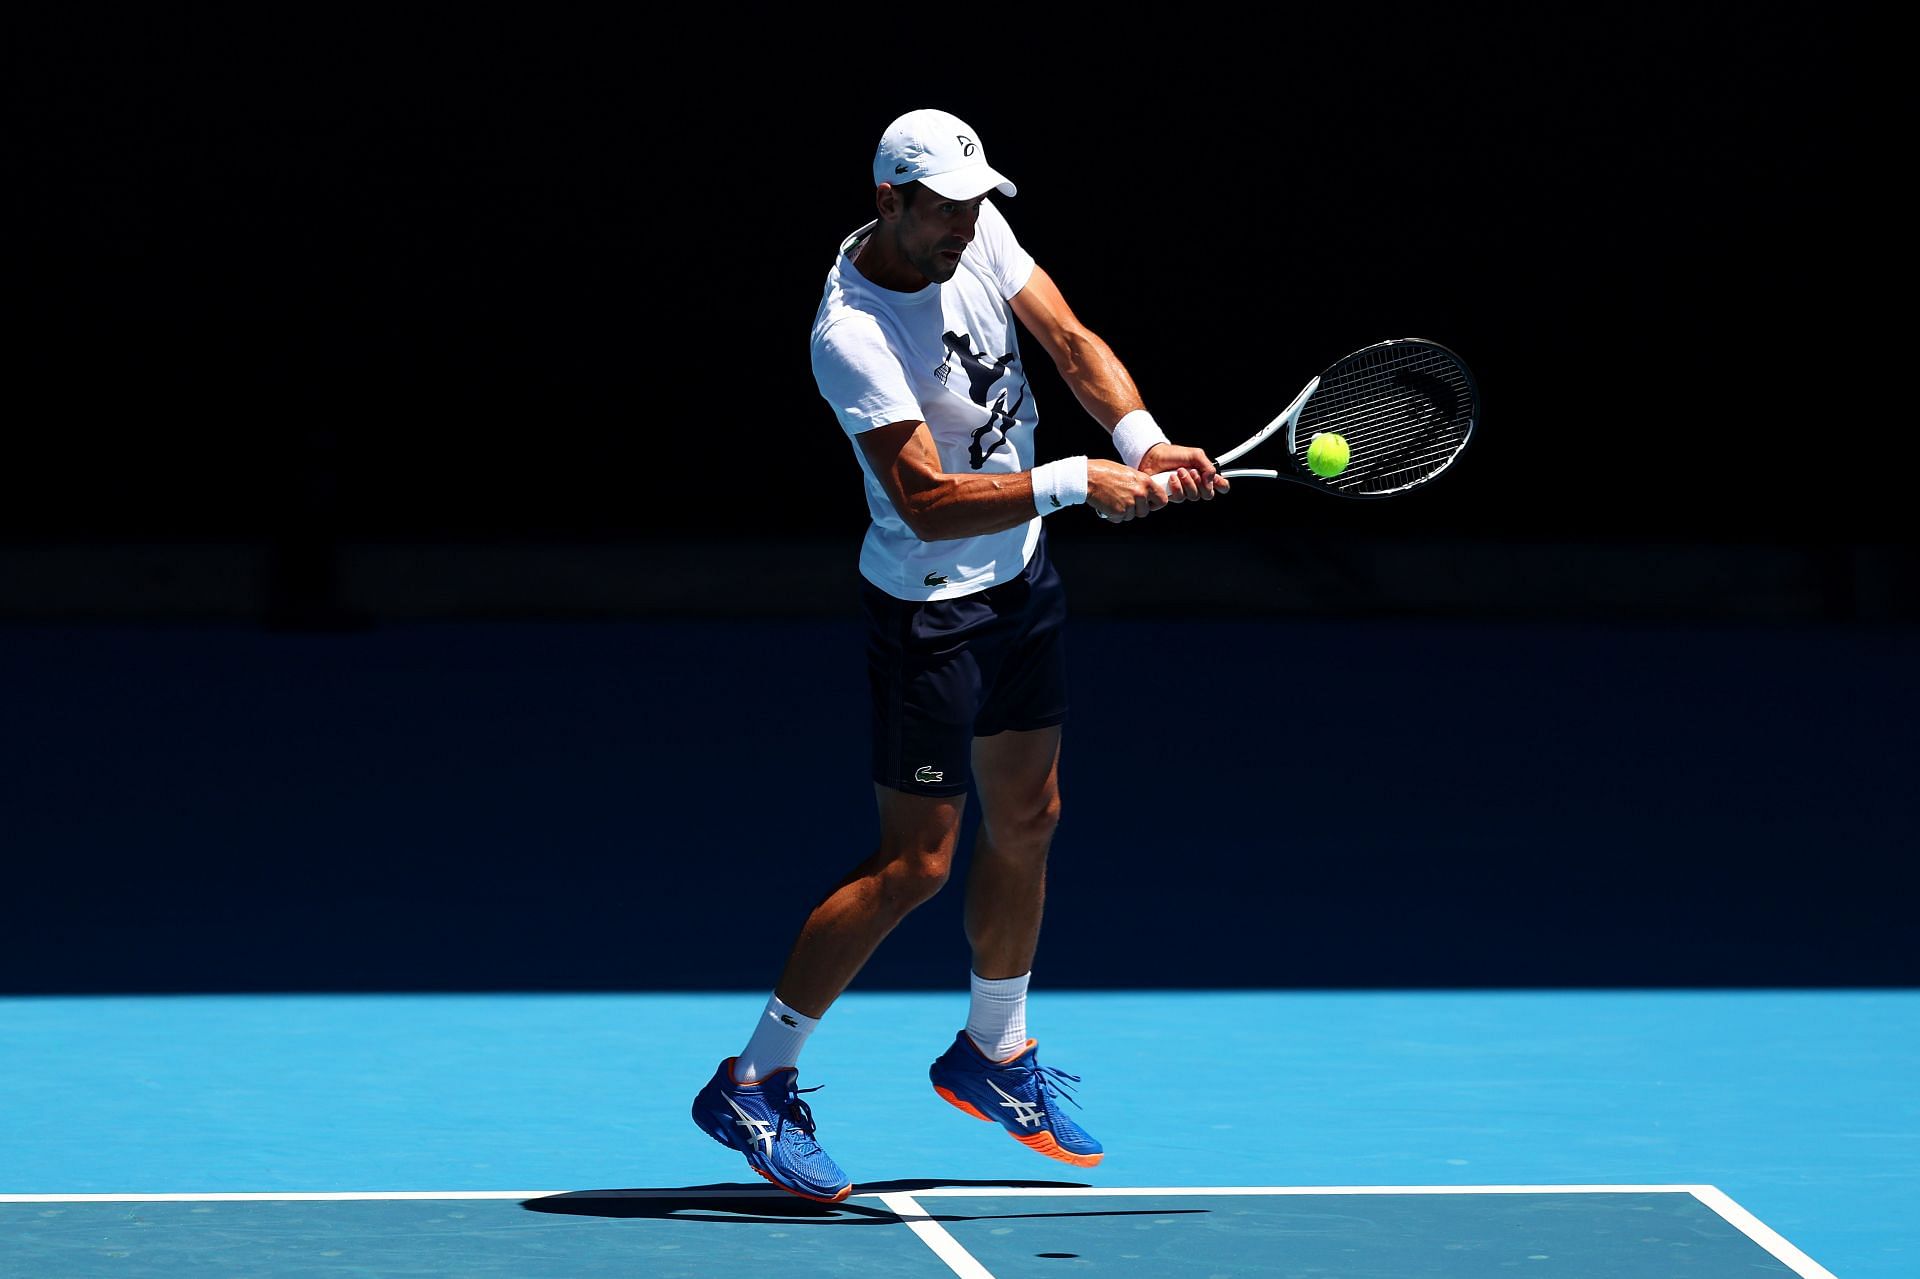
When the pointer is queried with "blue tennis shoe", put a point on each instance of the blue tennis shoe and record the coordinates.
(768, 1123)
(1020, 1094)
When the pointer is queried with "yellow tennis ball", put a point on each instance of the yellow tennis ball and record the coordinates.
(1327, 454)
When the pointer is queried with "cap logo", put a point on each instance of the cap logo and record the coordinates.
(967, 146)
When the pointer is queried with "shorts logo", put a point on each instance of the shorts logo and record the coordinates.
(928, 773)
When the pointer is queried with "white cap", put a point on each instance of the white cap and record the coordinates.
(940, 152)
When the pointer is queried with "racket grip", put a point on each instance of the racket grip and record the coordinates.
(1160, 481)
(1163, 480)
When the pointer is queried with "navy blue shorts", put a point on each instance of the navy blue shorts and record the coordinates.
(943, 672)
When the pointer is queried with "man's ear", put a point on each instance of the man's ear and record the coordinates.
(886, 201)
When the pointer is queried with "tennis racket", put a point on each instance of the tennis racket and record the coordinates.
(1406, 407)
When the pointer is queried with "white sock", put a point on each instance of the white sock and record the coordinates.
(997, 1017)
(776, 1041)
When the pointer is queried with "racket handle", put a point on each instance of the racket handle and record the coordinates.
(1163, 480)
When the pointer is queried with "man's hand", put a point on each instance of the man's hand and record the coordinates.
(1191, 474)
(1119, 492)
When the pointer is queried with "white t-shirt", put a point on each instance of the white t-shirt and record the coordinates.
(948, 356)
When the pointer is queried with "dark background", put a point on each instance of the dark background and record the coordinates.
(425, 560)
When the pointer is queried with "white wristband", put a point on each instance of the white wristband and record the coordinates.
(1134, 434)
(1059, 484)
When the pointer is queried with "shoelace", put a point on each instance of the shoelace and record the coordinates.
(1059, 1078)
(801, 1115)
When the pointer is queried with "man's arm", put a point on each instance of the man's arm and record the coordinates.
(940, 506)
(1102, 384)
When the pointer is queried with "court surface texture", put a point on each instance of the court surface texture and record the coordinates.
(1397, 1135)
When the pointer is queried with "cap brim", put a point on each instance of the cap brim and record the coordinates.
(965, 184)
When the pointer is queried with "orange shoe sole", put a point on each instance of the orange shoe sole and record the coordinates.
(1040, 1142)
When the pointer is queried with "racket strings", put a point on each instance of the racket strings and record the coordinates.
(1384, 457)
(1405, 414)
(1392, 437)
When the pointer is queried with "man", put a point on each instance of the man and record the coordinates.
(914, 346)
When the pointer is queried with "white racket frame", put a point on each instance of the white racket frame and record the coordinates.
(1288, 418)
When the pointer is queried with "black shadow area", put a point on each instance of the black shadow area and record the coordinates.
(741, 1203)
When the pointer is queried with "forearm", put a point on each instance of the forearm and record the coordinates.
(941, 506)
(1104, 388)
(1096, 377)
(946, 507)
(1106, 391)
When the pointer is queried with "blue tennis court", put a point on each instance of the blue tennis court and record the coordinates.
(1412, 1134)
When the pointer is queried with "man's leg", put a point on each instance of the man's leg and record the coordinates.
(1018, 776)
(758, 1110)
(917, 838)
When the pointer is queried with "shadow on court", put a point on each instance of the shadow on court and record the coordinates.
(740, 1203)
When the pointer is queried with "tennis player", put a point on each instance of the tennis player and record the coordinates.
(915, 348)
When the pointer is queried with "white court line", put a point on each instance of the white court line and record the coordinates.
(1761, 1233)
(768, 1192)
(1038, 1192)
(934, 1235)
(1711, 1197)
(290, 1196)
(911, 1214)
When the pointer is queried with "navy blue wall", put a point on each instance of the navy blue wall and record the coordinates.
(649, 805)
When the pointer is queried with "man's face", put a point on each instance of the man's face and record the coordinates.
(934, 231)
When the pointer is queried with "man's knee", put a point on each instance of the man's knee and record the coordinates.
(911, 875)
(1026, 827)
(917, 838)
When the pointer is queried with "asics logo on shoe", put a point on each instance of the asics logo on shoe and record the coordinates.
(758, 1130)
(928, 773)
(1024, 1112)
